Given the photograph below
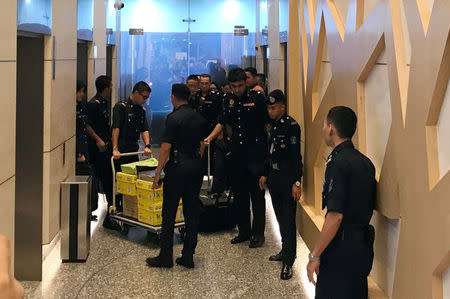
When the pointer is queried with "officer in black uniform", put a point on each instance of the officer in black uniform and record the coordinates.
(209, 106)
(193, 83)
(283, 174)
(99, 130)
(343, 255)
(246, 112)
(182, 145)
(130, 121)
(83, 167)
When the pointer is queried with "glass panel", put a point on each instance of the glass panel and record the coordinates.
(284, 20)
(111, 23)
(85, 23)
(160, 56)
(264, 22)
(34, 16)
(214, 46)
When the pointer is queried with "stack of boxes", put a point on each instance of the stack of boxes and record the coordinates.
(141, 201)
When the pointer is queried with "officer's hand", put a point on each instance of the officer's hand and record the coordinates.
(311, 268)
(263, 182)
(116, 154)
(81, 159)
(147, 152)
(156, 181)
(296, 192)
(101, 146)
(207, 140)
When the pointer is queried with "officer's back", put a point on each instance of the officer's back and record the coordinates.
(185, 129)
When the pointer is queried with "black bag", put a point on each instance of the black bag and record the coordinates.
(217, 214)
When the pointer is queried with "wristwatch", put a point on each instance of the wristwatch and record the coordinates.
(148, 146)
(313, 258)
(298, 184)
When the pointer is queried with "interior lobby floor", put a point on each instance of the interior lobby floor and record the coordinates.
(116, 268)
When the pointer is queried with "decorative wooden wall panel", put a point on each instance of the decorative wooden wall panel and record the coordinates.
(389, 60)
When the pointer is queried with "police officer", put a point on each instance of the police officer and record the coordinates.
(283, 174)
(343, 255)
(130, 121)
(252, 79)
(246, 112)
(99, 130)
(83, 166)
(182, 145)
(193, 83)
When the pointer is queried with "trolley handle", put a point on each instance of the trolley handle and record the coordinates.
(113, 167)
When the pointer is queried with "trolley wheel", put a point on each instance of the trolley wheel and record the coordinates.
(125, 228)
(182, 232)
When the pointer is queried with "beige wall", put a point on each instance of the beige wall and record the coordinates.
(8, 55)
(59, 111)
(390, 62)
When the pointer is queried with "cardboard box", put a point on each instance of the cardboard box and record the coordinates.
(180, 216)
(130, 206)
(126, 183)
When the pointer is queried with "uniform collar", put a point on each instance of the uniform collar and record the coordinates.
(181, 106)
(100, 98)
(130, 102)
(282, 120)
(340, 147)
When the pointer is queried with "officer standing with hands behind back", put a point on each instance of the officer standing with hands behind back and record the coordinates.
(343, 254)
(246, 112)
(283, 174)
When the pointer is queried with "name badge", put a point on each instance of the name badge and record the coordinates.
(249, 105)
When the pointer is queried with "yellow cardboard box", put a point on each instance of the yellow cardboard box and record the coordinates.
(126, 183)
(145, 192)
(153, 218)
(180, 215)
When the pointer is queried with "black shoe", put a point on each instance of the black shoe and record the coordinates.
(276, 257)
(108, 223)
(256, 242)
(286, 272)
(239, 239)
(158, 262)
(187, 262)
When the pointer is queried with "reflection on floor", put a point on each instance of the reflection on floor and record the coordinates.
(116, 269)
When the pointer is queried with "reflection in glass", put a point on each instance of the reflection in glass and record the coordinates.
(284, 20)
(85, 23)
(110, 23)
(161, 56)
(34, 16)
(264, 22)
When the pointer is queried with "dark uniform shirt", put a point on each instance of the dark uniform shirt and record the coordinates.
(81, 137)
(131, 120)
(209, 107)
(284, 149)
(98, 118)
(185, 129)
(247, 117)
(350, 185)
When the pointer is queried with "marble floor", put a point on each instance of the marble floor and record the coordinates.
(116, 268)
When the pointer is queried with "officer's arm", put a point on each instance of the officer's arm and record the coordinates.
(163, 157)
(330, 227)
(118, 119)
(146, 137)
(294, 149)
(91, 116)
(214, 133)
(336, 201)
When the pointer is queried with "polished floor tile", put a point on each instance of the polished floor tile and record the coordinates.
(116, 269)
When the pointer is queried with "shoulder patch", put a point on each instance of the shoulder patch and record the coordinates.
(293, 140)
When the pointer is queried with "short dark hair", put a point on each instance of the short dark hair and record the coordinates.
(141, 86)
(181, 91)
(206, 76)
(192, 77)
(262, 76)
(81, 86)
(236, 75)
(102, 83)
(252, 71)
(344, 120)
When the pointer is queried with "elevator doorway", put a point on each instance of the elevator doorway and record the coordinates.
(29, 158)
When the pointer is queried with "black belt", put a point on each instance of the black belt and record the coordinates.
(351, 234)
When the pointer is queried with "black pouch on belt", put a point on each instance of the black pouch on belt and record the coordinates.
(369, 238)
